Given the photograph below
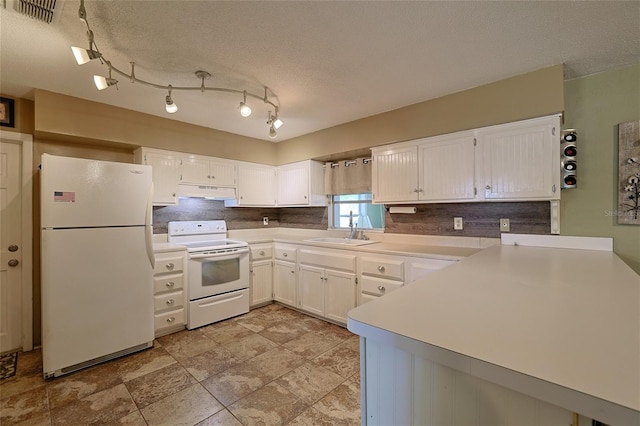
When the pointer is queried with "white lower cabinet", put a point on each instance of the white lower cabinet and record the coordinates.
(261, 274)
(285, 278)
(327, 286)
(379, 275)
(169, 280)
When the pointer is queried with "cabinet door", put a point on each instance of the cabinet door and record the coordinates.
(312, 289)
(195, 171)
(520, 160)
(447, 168)
(222, 174)
(261, 282)
(284, 283)
(165, 176)
(293, 184)
(340, 294)
(395, 175)
(256, 185)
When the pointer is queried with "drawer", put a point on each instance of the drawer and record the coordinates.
(346, 262)
(168, 301)
(378, 286)
(168, 283)
(168, 262)
(285, 253)
(169, 319)
(392, 269)
(364, 298)
(261, 252)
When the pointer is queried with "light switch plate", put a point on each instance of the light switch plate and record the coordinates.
(457, 223)
(505, 225)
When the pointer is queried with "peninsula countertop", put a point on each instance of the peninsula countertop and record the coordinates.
(568, 317)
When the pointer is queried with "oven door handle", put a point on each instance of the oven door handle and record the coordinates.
(212, 255)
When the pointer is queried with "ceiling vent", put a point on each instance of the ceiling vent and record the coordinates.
(42, 10)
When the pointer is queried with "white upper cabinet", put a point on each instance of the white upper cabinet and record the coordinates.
(199, 170)
(447, 168)
(301, 184)
(514, 161)
(395, 174)
(521, 160)
(256, 185)
(165, 167)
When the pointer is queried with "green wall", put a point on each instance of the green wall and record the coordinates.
(594, 105)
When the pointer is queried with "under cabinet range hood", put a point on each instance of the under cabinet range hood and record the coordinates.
(204, 191)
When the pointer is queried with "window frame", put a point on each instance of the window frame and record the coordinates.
(332, 208)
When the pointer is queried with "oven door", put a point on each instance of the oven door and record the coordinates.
(212, 274)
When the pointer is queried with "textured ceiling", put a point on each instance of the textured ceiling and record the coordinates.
(328, 62)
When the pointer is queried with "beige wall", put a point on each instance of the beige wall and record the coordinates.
(525, 96)
(77, 120)
(595, 105)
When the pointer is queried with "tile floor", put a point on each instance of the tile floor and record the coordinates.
(272, 366)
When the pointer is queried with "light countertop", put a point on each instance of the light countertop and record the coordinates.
(568, 317)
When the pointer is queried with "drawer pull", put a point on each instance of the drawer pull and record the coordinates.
(170, 284)
(170, 266)
(171, 319)
(382, 288)
(381, 268)
(285, 254)
(171, 302)
(261, 252)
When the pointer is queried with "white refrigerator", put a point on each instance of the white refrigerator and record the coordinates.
(96, 261)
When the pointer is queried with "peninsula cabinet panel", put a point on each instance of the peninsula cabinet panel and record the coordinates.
(403, 388)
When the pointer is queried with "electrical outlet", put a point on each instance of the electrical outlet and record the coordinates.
(265, 221)
(505, 225)
(457, 223)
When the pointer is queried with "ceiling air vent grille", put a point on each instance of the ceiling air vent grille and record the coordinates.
(42, 10)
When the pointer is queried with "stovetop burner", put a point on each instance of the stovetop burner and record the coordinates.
(200, 236)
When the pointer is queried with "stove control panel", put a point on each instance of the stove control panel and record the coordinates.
(181, 228)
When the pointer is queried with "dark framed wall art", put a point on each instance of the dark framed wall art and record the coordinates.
(7, 112)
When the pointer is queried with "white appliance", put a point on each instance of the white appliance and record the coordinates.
(218, 271)
(96, 260)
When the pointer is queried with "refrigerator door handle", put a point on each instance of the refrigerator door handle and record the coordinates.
(148, 234)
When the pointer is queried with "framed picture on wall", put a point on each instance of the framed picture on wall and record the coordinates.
(7, 112)
(629, 173)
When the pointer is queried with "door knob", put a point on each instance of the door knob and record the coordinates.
(13, 247)
(13, 262)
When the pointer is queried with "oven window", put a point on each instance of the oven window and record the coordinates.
(216, 272)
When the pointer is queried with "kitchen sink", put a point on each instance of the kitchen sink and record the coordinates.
(345, 241)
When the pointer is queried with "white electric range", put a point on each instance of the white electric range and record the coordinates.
(217, 272)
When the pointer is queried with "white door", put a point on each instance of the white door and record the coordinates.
(284, 282)
(10, 247)
(293, 184)
(312, 289)
(340, 294)
(395, 175)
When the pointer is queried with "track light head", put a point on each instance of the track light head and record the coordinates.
(170, 106)
(277, 123)
(272, 132)
(104, 82)
(84, 55)
(245, 110)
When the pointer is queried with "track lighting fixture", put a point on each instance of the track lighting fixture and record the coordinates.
(170, 106)
(102, 82)
(245, 110)
(85, 55)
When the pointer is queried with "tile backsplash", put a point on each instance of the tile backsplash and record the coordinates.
(480, 219)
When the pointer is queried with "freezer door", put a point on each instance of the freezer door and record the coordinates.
(97, 294)
(89, 193)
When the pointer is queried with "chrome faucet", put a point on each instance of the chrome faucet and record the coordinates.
(354, 227)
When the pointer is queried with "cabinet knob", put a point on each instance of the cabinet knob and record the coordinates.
(382, 288)
(380, 268)
(487, 187)
(261, 252)
(170, 266)
(285, 254)
(12, 248)
(171, 319)
(293, 272)
(171, 302)
(170, 284)
(13, 262)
